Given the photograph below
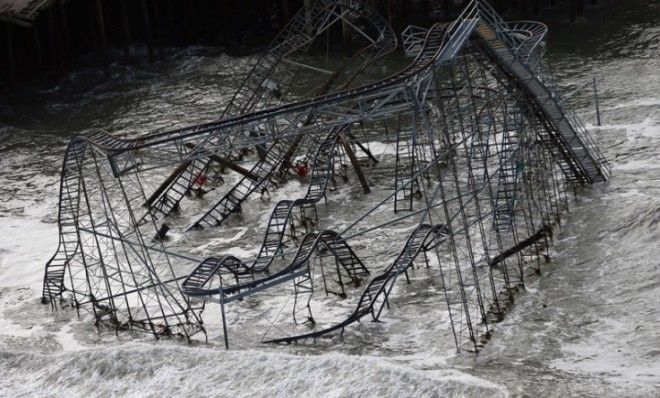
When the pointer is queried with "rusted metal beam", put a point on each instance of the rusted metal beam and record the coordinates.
(354, 162)
(542, 233)
(233, 166)
(229, 164)
(363, 148)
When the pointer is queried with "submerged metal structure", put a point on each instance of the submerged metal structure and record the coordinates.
(484, 156)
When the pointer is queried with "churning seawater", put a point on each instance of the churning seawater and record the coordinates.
(589, 326)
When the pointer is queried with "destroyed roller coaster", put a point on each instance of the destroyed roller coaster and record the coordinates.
(486, 157)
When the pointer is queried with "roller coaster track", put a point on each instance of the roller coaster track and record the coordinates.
(573, 149)
(375, 296)
(348, 267)
(68, 213)
(305, 26)
(321, 174)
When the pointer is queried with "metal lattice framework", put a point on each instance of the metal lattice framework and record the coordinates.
(485, 154)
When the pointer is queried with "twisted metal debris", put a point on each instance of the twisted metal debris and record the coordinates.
(486, 155)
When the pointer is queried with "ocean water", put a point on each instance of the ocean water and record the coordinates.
(588, 326)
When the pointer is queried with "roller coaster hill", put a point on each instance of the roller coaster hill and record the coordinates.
(481, 157)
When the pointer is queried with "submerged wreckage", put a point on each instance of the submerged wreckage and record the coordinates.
(485, 155)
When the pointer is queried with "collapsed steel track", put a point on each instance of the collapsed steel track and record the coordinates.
(486, 151)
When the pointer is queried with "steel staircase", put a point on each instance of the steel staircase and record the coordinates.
(232, 200)
(567, 134)
(294, 36)
(194, 171)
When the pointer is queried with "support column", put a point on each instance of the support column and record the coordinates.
(308, 11)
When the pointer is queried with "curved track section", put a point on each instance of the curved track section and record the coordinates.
(282, 215)
(375, 296)
(321, 174)
(68, 214)
(200, 282)
(531, 35)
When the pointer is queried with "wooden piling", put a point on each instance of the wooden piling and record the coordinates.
(446, 7)
(65, 38)
(425, 7)
(147, 29)
(125, 28)
(11, 62)
(157, 28)
(91, 23)
(38, 54)
(284, 12)
(579, 8)
(100, 22)
(354, 162)
(55, 44)
(346, 31)
(186, 18)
